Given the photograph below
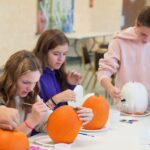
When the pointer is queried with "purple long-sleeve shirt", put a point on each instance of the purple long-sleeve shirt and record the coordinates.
(49, 85)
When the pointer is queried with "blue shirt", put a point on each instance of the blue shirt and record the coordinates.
(50, 86)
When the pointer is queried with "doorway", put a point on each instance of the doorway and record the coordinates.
(130, 10)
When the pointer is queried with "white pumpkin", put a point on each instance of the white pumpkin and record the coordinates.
(136, 97)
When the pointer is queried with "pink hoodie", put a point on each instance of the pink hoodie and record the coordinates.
(128, 58)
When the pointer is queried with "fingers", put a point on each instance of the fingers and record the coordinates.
(9, 125)
(73, 96)
(41, 102)
(39, 111)
(69, 95)
(88, 115)
(40, 106)
(6, 126)
(115, 94)
(85, 119)
(75, 74)
(12, 119)
(85, 114)
(13, 124)
(74, 77)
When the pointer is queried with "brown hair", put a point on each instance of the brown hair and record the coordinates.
(46, 42)
(143, 18)
(17, 65)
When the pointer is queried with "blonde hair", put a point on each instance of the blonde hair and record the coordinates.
(17, 65)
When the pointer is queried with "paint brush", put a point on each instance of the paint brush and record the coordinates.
(86, 134)
(27, 104)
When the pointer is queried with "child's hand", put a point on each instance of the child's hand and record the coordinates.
(67, 95)
(73, 77)
(39, 111)
(115, 94)
(85, 114)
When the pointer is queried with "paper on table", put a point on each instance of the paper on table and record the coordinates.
(44, 140)
(79, 96)
(97, 130)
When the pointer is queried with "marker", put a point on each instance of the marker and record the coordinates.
(129, 121)
(86, 134)
(132, 121)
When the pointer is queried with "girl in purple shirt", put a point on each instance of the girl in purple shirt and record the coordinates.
(55, 83)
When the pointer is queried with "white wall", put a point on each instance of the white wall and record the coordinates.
(18, 22)
(104, 16)
(17, 26)
(147, 2)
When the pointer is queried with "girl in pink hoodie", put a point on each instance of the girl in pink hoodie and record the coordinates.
(128, 57)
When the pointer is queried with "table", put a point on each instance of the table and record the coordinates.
(76, 37)
(125, 136)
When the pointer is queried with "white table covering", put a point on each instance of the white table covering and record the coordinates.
(124, 136)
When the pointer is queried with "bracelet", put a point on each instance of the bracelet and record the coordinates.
(27, 125)
(53, 101)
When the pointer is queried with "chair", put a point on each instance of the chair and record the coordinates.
(85, 56)
(90, 69)
(87, 65)
(103, 46)
(99, 54)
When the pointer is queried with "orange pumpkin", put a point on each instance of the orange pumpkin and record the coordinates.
(63, 125)
(100, 108)
(13, 140)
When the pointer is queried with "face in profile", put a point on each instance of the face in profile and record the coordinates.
(143, 34)
(27, 82)
(57, 56)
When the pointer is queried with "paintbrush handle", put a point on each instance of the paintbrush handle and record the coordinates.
(27, 104)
